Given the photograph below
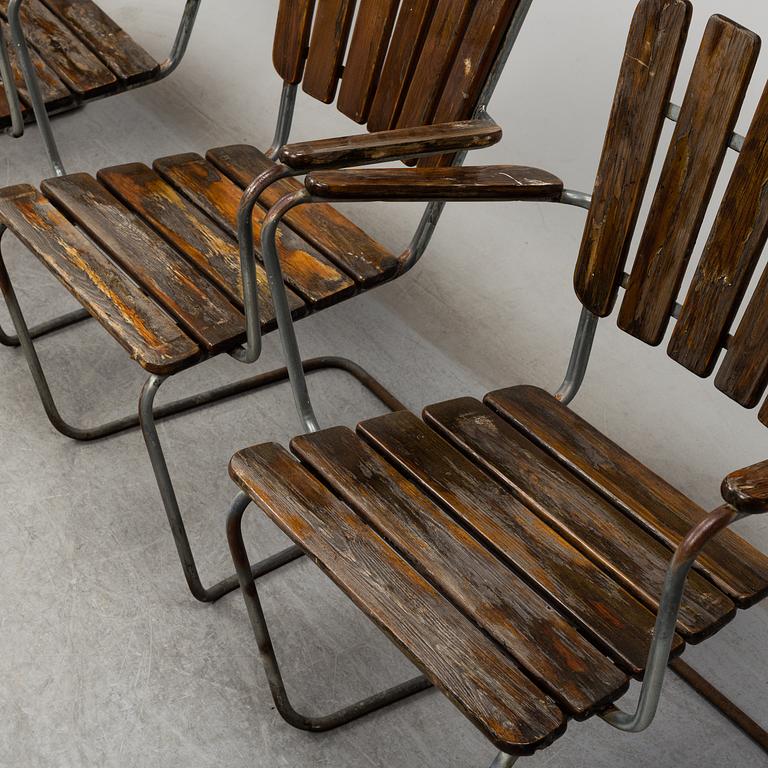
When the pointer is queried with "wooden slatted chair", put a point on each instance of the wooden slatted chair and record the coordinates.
(527, 564)
(56, 55)
(163, 257)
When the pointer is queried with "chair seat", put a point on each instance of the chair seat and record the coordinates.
(78, 52)
(529, 533)
(152, 254)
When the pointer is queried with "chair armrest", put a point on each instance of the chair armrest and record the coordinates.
(398, 144)
(747, 489)
(493, 182)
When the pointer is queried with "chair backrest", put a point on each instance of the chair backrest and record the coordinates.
(405, 63)
(704, 131)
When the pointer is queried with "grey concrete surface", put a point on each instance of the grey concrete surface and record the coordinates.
(105, 661)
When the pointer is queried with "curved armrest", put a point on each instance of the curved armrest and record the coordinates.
(747, 489)
(493, 182)
(398, 144)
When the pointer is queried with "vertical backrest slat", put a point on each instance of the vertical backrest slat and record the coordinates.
(441, 44)
(743, 376)
(730, 256)
(294, 22)
(367, 50)
(407, 41)
(472, 64)
(651, 60)
(718, 85)
(327, 47)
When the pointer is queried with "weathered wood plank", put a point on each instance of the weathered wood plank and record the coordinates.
(481, 586)
(721, 76)
(79, 68)
(651, 60)
(730, 256)
(330, 31)
(192, 233)
(635, 559)
(373, 28)
(733, 564)
(344, 243)
(202, 309)
(149, 335)
(601, 608)
(118, 50)
(294, 22)
(305, 270)
(483, 682)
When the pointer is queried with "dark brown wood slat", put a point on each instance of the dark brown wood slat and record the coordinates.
(730, 256)
(445, 35)
(192, 233)
(712, 103)
(482, 681)
(5, 109)
(202, 309)
(577, 588)
(294, 22)
(488, 182)
(404, 50)
(743, 376)
(330, 32)
(474, 60)
(306, 271)
(55, 94)
(590, 523)
(344, 243)
(651, 60)
(373, 29)
(479, 584)
(63, 51)
(149, 335)
(732, 563)
(118, 50)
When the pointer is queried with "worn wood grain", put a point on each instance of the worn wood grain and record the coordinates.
(321, 225)
(373, 29)
(651, 60)
(201, 308)
(631, 556)
(481, 586)
(289, 52)
(79, 68)
(305, 270)
(747, 489)
(571, 582)
(327, 47)
(118, 50)
(718, 85)
(404, 51)
(730, 562)
(145, 330)
(441, 44)
(730, 256)
(483, 682)
(479, 50)
(192, 233)
(494, 182)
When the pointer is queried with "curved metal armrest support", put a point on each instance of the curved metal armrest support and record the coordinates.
(666, 619)
(464, 183)
(397, 144)
(747, 489)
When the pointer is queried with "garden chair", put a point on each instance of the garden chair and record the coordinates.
(528, 565)
(152, 252)
(56, 55)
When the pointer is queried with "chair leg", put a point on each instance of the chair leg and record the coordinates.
(267, 652)
(49, 326)
(719, 701)
(503, 760)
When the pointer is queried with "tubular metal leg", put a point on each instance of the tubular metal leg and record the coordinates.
(267, 652)
(503, 761)
(49, 326)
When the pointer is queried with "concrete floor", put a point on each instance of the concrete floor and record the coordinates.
(104, 658)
